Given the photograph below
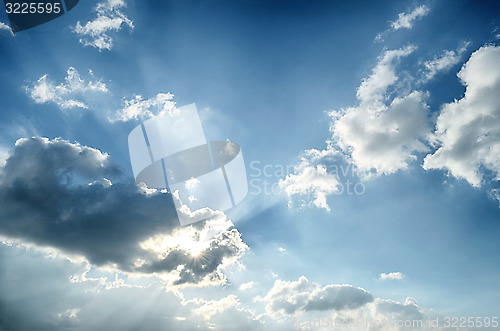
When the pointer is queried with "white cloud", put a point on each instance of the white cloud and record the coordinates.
(495, 194)
(109, 18)
(64, 95)
(5, 27)
(310, 180)
(210, 308)
(391, 275)
(306, 305)
(443, 62)
(247, 286)
(138, 108)
(405, 20)
(4, 154)
(382, 134)
(467, 134)
(288, 298)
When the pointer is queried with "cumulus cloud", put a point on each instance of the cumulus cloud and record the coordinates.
(140, 108)
(407, 315)
(5, 27)
(109, 18)
(443, 62)
(391, 275)
(467, 135)
(382, 134)
(306, 305)
(46, 199)
(67, 94)
(287, 298)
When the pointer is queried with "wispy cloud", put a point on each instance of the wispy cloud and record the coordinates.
(5, 27)
(405, 20)
(247, 286)
(109, 18)
(443, 62)
(391, 275)
(213, 307)
(67, 94)
(310, 180)
(4, 154)
(140, 108)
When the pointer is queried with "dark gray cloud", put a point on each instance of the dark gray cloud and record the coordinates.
(46, 199)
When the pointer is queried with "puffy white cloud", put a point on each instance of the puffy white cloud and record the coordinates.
(139, 108)
(443, 62)
(306, 305)
(399, 316)
(64, 95)
(392, 275)
(467, 135)
(109, 18)
(46, 199)
(287, 298)
(405, 20)
(5, 27)
(381, 134)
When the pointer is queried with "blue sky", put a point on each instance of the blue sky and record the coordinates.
(370, 133)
